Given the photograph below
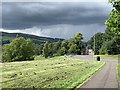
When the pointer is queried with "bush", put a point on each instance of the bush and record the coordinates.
(111, 47)
(104, 48)
(19, 49)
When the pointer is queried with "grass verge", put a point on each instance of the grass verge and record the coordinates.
(92, 74)
(118, 74)
(108, 56)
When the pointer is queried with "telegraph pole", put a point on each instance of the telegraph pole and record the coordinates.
(94, 43)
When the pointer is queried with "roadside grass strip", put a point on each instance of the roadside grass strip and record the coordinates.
(118, 74)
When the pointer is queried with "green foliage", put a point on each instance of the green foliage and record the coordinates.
(114, 46)
(62, 51)
(109, 34)
(38, 49)
(19, 49)
(56, 47)
(50, 49)
(113, 22)
(110, 42)
(73, 49)
(104, 48)
(7, 53)
(112, 33)
(72, 46)
(111, 47)
(45, 50)
(75, 43)
(77, 38)
(96, 42)
(64, 47)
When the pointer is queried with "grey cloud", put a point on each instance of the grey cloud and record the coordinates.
(67, 31)
(27, 15)
(62, 30)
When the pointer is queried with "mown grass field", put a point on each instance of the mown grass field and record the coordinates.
(58, 72)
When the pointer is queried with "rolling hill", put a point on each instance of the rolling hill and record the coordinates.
(8, 37)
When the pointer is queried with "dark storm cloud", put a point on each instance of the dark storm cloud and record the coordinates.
(27, 15)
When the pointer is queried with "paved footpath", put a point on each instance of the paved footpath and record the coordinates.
(104, 78)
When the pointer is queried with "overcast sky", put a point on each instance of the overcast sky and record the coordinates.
(55, 19)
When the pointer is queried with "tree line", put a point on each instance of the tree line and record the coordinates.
(21, 49)
(109, 41)
(105, 43)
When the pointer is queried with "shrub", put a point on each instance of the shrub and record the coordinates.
(19, 49)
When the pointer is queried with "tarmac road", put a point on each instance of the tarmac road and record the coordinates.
(104, 78)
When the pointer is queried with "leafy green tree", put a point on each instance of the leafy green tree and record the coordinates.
(19, 49)
(50, 49)
(104, 48)
(77, 38)
(113, 22)
(73, 49)
(38, 49)
(64, 47)
(114, 46)
(108, 34)
(56, 47)
(76, 43)
(62, 51)
(111, 47)
(96, 42)
(112, 33)
(45, 50)
(7, 53)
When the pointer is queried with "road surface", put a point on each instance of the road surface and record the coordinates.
(104, 78)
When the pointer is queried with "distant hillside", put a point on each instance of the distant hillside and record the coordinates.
(8, 37)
